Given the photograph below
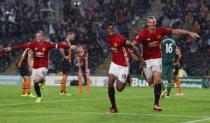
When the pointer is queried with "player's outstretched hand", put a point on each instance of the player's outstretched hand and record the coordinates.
(7, 49)
(194, 35)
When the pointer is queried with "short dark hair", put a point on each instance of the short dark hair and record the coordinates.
(40, 31)
(111, 23)
(151, 17)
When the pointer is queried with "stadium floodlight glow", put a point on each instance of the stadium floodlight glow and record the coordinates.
(7, 12)
(77, 2)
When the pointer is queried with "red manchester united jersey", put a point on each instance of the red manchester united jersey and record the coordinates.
(40, 51)
(151, 41)
(120, 52)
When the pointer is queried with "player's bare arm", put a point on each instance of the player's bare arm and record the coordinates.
(136, 52)
(78, 62)
(30, 59)
(86, 64)
(178, 58)
(20, 61)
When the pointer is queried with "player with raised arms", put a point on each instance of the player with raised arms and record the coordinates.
(41, 49)
(150, 38)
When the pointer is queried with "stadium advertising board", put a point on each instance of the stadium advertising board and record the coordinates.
(101, 81)
(10, 79)
(186, 82)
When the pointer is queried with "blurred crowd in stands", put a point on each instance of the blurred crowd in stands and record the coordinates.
(20, 20)
(191, 15)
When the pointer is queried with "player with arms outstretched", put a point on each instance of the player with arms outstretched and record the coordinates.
(150, 38)
(119, 67)
(41, 49)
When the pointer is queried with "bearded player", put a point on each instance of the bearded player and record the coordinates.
(119, 67)
(150, 38)
(65, 63)
(41, 49)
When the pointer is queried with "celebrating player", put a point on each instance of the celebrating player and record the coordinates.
(171, 56)
(24, 65)
(41, 49)
(84, 71)
(150, 39)
(119, 67)
(66, 61)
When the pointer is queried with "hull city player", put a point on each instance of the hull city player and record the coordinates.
(65, 63)
(24, 66)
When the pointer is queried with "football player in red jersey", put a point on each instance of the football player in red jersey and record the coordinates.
(150, 38)
(119, 67)
(41, 49)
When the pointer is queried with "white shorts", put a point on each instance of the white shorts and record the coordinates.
(151, 66)
(121, 72)
(40, 72)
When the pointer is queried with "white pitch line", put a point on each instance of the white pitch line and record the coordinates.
(194, 121)
(71, 100)
(103, 113)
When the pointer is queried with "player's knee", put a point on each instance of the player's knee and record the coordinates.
(120, 86)
(157, 80)
(38, 79)
(119, 89)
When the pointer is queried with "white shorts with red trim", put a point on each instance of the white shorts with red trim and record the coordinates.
(39, 73)
(151, 66)
(121, 72)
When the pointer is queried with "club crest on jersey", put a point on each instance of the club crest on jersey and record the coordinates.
(36, 48)
(159, 36)
(43, 49)
(115, 44)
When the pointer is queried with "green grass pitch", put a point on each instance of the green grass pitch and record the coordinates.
(134, 105)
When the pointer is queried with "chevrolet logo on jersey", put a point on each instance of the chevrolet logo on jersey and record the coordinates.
(153, 44)
(114, 49)
(39, 54)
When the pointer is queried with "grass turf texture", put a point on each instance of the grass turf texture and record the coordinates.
(134, 105)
